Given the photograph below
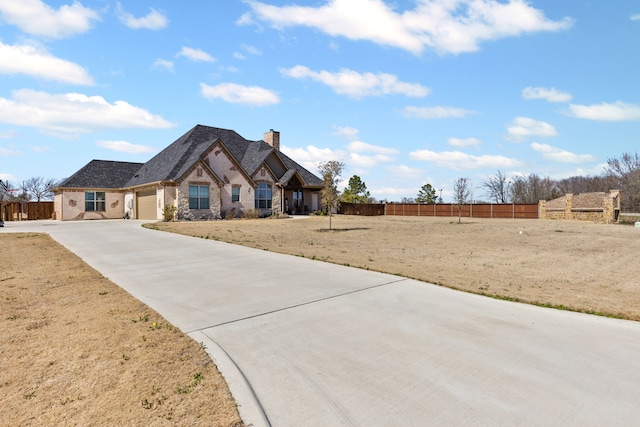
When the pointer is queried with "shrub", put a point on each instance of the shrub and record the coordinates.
(250, 214)
(169, 213)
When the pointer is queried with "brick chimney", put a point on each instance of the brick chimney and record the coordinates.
(273, 139)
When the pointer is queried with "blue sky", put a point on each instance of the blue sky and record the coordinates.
(405, 92)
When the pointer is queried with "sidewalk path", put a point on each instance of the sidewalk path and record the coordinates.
(305, 343)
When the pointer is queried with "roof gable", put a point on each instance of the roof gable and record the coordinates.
(174, 161)
(309, 178)
(220, 146)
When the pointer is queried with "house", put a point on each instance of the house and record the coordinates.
(207, 173)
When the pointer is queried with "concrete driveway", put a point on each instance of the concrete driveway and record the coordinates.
(304, 343)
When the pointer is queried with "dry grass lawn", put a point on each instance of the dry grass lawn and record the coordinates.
(78, 350)
(565, 264)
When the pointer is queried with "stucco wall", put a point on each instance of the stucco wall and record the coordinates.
(57, 205)
(231, 175)
(129, 204)
(69, 205)
(169, 197)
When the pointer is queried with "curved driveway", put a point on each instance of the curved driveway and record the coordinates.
(305, 343)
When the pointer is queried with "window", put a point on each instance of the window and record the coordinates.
(263, 196)
(297, 199)
(95, 201)
(235, 193)
(198, 197)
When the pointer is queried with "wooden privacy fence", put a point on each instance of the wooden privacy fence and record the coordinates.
(364, 209)
(21, 211)
(476, 210)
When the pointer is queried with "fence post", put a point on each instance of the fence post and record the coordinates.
(470, 210)
(418, 208)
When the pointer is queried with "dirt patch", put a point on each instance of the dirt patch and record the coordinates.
(565, 264)
(78, 350)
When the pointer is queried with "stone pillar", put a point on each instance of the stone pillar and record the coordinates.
(568, 206)
(608, 215)
(542, 209)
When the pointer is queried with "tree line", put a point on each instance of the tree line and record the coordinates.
(36, 189)
(622, 173)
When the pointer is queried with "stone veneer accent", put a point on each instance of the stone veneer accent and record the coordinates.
(596, 207)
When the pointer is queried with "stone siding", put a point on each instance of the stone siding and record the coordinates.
(595, 207)
(198, 177)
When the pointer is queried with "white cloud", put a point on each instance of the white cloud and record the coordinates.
(616, 112)
(8, 178)
(366, 155)
(310, 156)
(368, 161)
(35, 62)
(464, 142)
(72, 113)
(238, 94)
(245, 19)
(437, 112)
(197, 55)
(37, 18)
(251, 49)
(635, 17)
(523, 127)
(358, 85)
(442, 25)
(8, 152)
(405, 172)
(550, 94)
(346, 132)
(8, 134)
(559, 155)
(125, 147)
(458, 160)
(363, 147)
(164, 64)
(394, 191)
(39, 149)
(154, 20)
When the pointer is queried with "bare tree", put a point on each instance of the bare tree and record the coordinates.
(39, 187)
(626, 172)
(532, 189)
(330, 171)
(23, 193)
(497, 187)
(461, 193)
(5, 190)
